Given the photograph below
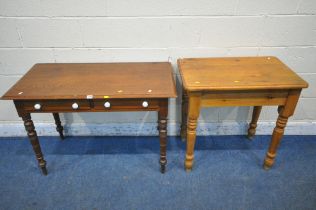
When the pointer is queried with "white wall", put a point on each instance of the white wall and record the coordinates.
(157, 30)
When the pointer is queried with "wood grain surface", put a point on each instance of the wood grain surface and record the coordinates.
(238, 73)
(96, 80)
(243, 81)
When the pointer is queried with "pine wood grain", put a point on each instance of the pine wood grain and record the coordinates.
(238, 73)
(244, 81)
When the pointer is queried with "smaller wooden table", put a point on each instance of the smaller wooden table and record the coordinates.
(245, 81)
(94, 87)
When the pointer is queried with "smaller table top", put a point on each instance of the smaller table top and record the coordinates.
(239, 73)
(95, 80)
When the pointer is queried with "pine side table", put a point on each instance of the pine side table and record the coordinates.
(240, 81)
(94, 87)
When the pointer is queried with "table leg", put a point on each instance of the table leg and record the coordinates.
(284, 113)
(184, 117)
(30, 129)
(162, 116)
(158, 122)
(59, 127)
(194, 112)
(254, 120)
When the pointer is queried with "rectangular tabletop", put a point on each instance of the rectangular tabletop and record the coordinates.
(239, 73)
(95, 80)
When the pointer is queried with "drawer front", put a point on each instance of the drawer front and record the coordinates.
(55, 105)
(126, 105)
(98, 105)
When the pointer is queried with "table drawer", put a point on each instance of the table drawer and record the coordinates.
(126, 104)
(55, 105)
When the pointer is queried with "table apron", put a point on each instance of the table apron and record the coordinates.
(244, 98)
(98, 105)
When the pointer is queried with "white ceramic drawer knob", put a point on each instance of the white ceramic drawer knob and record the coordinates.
(107, 104)
(37, 106)
(75, 106)
(145, 104)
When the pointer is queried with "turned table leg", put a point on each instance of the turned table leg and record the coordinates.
(194, 111)
(162, 116)
(59, 127)
(30, 129)
(254, 120)
(284, 113)
(184, 117)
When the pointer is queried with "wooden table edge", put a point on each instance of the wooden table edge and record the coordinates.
(172, 95)
(243, 89)
(304, 84)
(85, 97)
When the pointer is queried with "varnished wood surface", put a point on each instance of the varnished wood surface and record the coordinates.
(254, 81)
(94, 87)
(59, 127)
(244, 97)
(253, 124)
(237, 73)
(193, 115)
(162, 128)
(97, 105)
(97, 80)
(285, 112)
(31, 132)
(25, 107)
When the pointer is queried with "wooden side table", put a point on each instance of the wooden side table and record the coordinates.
(245, 81)
(103, 87)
